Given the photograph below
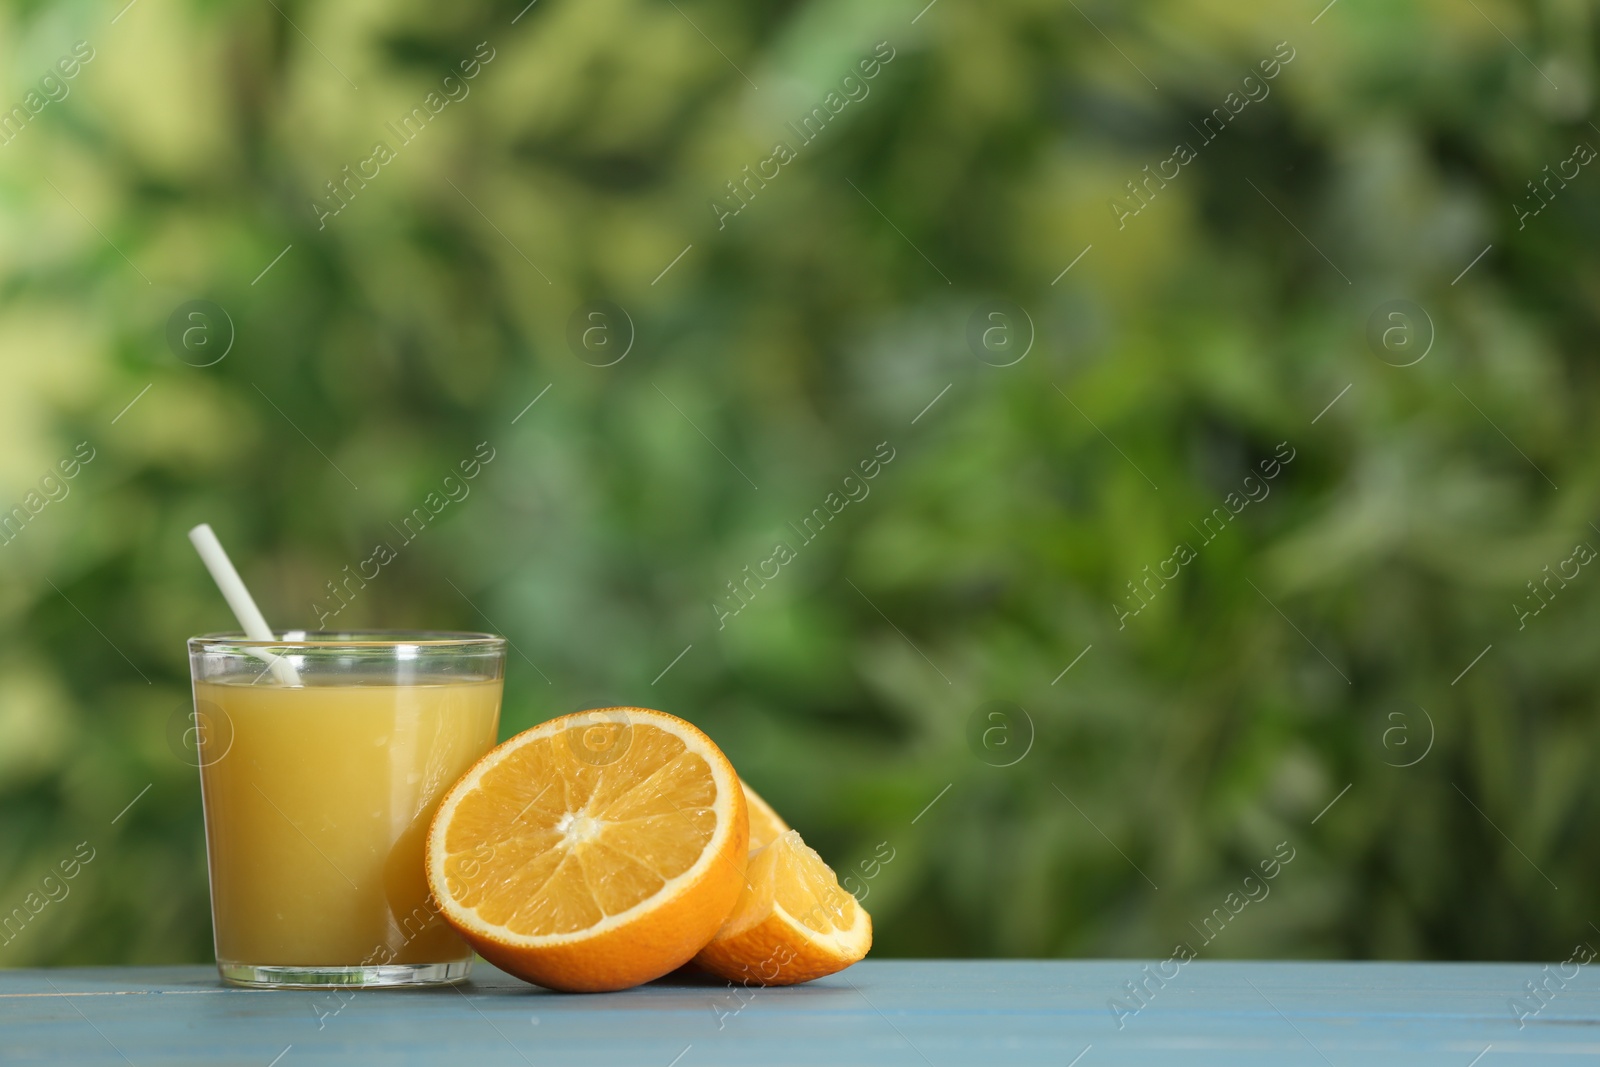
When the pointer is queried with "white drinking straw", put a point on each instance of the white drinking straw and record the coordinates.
(239, 599)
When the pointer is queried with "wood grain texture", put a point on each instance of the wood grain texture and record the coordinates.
(882, 1013)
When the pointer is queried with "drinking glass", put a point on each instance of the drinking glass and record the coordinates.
(318, 796)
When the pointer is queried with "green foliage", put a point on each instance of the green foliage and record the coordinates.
(785, 344)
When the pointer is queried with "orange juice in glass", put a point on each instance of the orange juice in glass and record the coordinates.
(318, 796)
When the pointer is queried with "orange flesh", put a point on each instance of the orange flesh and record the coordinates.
(805, 887)
(765, 824)
(792, 922)
(789, 874)
(538, 864)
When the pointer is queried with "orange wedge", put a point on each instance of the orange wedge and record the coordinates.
(792, 922)
(593, 852)
(765, 824)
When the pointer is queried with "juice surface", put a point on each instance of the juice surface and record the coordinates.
(317, 809)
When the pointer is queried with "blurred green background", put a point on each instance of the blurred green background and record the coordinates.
(1320, 641)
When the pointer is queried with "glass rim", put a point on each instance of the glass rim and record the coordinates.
(319, 639)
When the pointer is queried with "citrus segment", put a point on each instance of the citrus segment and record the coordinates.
(593, 852)
(792, 923)
(765, 824)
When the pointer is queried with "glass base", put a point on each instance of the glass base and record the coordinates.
(372, 977)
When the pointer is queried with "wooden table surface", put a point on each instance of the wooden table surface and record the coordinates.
(883, 1013)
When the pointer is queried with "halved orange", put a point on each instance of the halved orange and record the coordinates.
(765, 824)
(593, 852)
(793, 922)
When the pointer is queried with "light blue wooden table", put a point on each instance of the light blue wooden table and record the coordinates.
(882, 1013)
